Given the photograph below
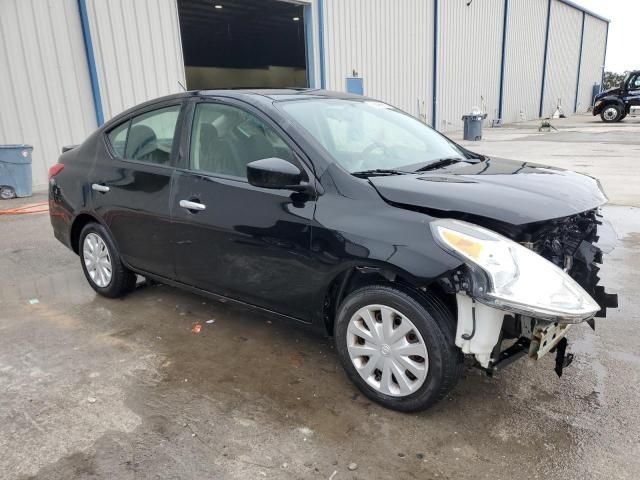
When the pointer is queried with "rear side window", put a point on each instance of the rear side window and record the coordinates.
(118, 138)
(148, 137)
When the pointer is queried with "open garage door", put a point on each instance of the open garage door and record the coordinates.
(243, 44)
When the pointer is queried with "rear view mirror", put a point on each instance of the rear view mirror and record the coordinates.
(275, 173)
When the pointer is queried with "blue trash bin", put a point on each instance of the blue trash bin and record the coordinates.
(15, 171)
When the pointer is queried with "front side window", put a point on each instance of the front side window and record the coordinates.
(634, 84)
(224, 139)
(366, 134)
(147, 137)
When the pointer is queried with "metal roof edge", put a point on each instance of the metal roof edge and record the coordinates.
(585, 10)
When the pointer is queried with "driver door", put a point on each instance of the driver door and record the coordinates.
(244, 242)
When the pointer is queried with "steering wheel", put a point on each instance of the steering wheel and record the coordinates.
(362, 156)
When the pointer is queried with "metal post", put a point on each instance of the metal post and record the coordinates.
(308, 30)
(504, 53)
(575, 106)
(604, 60)
(323, 82)
(93, 71)
(544, 65)
(435, 66)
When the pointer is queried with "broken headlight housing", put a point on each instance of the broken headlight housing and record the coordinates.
(510, 277)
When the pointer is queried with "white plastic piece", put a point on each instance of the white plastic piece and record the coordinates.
(487, 330)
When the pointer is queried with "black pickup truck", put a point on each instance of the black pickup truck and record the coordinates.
(615, 104)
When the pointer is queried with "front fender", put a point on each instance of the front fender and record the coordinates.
(606, 101)
(371, 234)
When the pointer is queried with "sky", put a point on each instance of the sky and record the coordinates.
(623, 49)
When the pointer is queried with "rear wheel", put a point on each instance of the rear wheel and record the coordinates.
(398, 348)
(612, 114)
(101, 263)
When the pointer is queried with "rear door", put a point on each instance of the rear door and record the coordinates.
(131, 186)
(240, 241)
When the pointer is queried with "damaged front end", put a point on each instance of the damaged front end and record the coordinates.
(577, 245)
(525, 291)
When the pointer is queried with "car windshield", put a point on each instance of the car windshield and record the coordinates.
(366, 135)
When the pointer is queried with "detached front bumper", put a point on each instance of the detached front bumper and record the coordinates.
(481, 331)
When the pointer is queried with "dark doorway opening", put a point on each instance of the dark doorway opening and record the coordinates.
(243, 44)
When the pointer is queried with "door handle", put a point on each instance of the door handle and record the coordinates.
(192, 206)
(100, 188)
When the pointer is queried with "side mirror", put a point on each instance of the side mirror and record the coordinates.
(275, 173)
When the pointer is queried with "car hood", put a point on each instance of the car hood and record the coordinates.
(508, 191)
(611, 91)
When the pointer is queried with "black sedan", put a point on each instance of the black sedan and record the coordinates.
(343, 213)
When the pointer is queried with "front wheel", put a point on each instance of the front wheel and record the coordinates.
(101, 263)
(398, 348)
(612, 114)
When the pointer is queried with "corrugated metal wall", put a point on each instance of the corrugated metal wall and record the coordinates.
(389, 45)
(469, 59)
(526, 27)
(595, 34)
(138, 51)
(45, 91)
(562, 58)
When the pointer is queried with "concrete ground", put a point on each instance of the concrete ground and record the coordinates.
(96, 388)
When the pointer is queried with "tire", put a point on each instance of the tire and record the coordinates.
(7, 193)
(433, 327)
(122, 280)
(612, 114)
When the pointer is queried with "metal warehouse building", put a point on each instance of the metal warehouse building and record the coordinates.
(70, 65)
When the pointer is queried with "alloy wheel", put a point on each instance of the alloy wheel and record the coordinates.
(387, 350)
(610, 113)
(97, 260)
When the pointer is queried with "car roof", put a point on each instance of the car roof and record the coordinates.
(277, 94)
(263, 96)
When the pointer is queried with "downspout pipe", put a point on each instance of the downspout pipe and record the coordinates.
(544, 65)
(604, 60)
(504, 54)
(434, 109)
(323, 81)
(91, 61)
(575, 106)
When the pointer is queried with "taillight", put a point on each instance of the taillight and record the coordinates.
(55, 169)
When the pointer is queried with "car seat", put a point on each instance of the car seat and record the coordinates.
(142, 145)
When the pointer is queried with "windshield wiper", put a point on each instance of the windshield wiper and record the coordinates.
(441, 162)
(378, 172)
